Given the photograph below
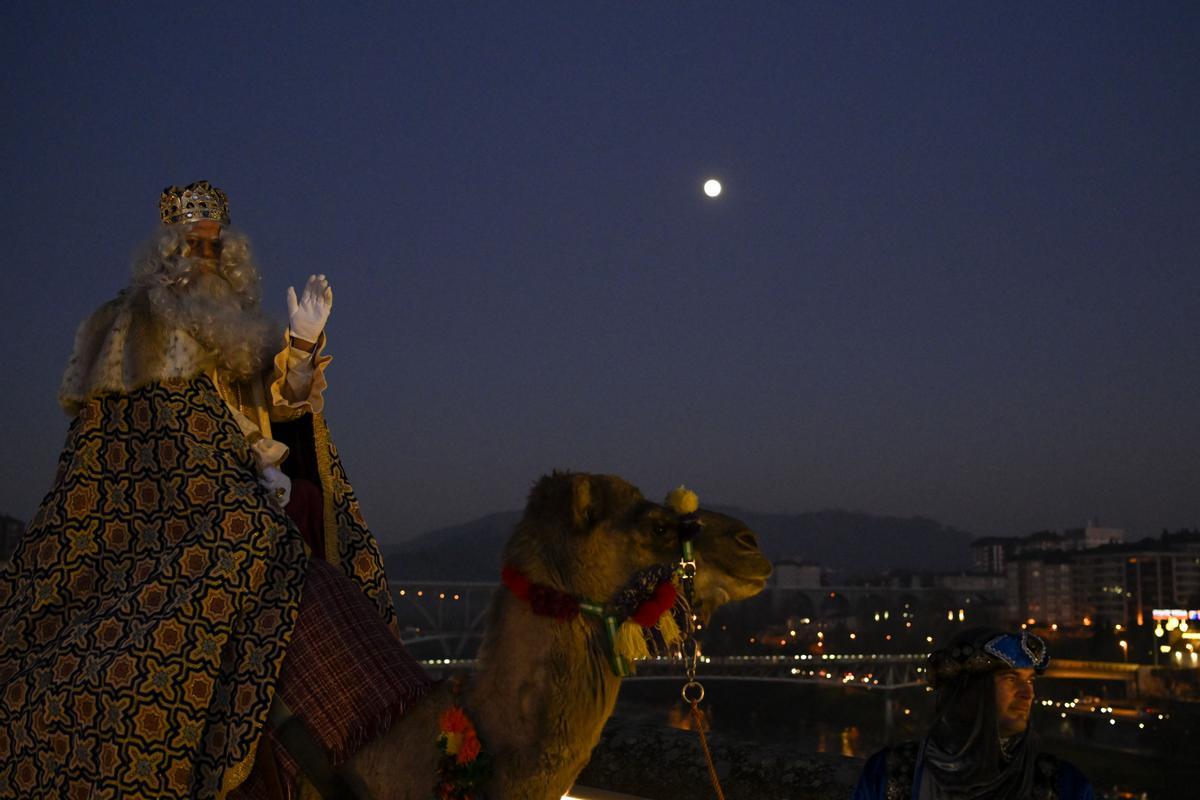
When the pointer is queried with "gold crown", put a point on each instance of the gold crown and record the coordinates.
(192, 203)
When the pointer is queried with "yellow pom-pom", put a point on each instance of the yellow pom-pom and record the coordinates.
(453, 742)
(631, 642)
(683, 500)
(669, 629)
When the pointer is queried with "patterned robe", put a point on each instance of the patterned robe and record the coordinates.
(146, 613)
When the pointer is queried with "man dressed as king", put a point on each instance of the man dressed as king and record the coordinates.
(147, 612)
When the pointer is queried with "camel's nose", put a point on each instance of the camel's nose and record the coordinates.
(747, 540)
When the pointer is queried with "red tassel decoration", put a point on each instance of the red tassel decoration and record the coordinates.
(516, 582)
(648, 612)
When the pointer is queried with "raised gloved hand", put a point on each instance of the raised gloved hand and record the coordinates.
(307, 316)
(278, 485)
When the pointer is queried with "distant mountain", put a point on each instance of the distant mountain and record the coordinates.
(848, 541)
(467, 552)
(853, 542)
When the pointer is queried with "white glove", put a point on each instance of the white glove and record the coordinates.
(278, 485)
(307, 316)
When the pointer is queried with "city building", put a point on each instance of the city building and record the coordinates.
(790, 573)
(1092, 535)
(1125, 582)
(989, 554)
(1114, 583)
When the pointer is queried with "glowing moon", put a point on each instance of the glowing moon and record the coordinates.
(712, 187)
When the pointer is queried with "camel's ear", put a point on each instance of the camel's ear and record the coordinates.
(582, 511)
(580, 500)
(595, 498)
(560, 497)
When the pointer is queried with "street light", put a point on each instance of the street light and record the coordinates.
(1124, 649)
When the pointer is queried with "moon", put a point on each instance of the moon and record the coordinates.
(712, 187)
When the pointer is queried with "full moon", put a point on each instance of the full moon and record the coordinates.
(712, 187)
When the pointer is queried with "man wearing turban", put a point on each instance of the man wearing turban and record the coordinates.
(980, 745)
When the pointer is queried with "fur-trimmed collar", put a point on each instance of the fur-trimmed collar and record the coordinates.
(124, 346)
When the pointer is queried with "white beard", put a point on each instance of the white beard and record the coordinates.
(229, 325)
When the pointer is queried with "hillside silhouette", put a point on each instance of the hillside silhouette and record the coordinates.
(850, 542)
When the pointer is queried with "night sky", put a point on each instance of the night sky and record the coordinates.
(954, 271)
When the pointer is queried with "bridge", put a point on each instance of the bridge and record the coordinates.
(872, 671)
(450, 615)
(447, 614)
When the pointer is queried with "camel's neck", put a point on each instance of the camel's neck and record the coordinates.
(541, 697)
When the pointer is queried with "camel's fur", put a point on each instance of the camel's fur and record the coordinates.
(544, 689)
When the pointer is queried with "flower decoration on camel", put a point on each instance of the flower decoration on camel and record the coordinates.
(463, 767)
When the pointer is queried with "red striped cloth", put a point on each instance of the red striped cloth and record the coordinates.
(346, 675)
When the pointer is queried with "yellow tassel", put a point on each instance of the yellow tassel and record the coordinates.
(669, 629)
(682, 500)
(631, 642)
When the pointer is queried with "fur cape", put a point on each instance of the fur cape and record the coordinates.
(124, 345)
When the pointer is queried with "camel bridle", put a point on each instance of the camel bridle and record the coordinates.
(565, 606)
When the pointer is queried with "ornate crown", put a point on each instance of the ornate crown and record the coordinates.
(192, 203)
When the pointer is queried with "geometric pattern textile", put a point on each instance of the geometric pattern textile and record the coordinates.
(147, 610)
(346, 677)
(346, 533)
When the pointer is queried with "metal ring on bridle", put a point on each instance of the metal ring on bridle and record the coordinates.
(690, 685)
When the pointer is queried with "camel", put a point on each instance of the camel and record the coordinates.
(544, 688)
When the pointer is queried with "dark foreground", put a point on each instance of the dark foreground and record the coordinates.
(664, 763)
(772, 741)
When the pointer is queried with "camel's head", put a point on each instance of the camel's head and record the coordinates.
(588, 535)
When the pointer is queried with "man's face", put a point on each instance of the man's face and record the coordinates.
(1014, 700)
(203, 241)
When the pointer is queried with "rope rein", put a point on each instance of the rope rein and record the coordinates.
(693, 691)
